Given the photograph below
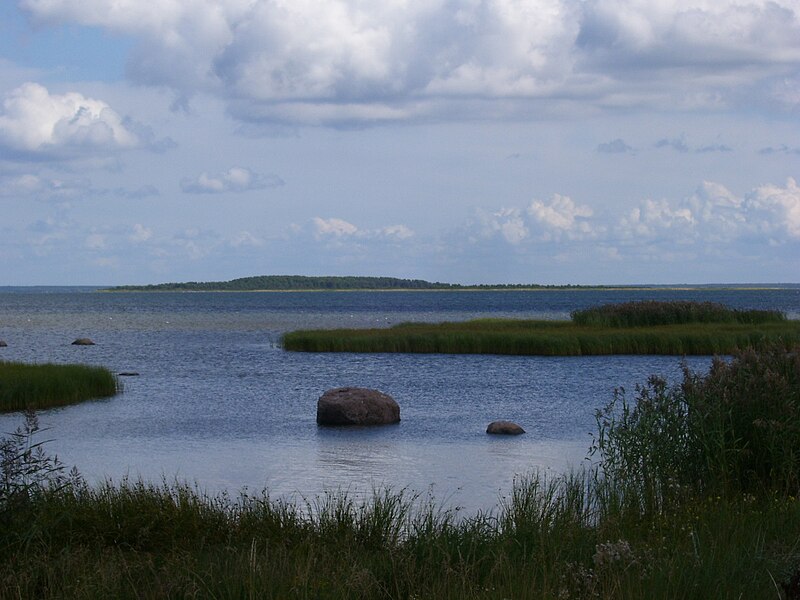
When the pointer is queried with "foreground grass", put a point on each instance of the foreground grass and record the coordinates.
(546, 338)
(557, 539)
(47, 385)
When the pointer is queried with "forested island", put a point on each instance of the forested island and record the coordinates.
(277, 283)
(308, 283)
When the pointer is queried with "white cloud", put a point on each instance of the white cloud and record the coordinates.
(333, 227)
(235, 179)
(400, 232)
(562, 216)
(140, 233)
(778, 208)
(35, 121)
(339, 229)
(95, 241)
(245, 239)
(714, 214)
(348, 60)
(43, 188)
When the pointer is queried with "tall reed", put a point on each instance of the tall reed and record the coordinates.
(48, 385)
(653, 313)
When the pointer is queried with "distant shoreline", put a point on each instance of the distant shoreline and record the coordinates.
(566, 288)
(302, 283)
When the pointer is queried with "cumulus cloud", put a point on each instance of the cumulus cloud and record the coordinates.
(341, 230)
(778, 208)
(714, 214)
(562, 215)
(352, 61)
(34, 121)
(235, 179)
(43, 188)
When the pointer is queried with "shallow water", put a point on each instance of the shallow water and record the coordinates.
(219, 403)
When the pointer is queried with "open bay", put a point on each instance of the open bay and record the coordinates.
(219, 403)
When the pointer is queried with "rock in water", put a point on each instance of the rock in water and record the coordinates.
(83, 342)
(356, 406)
(504, 428)
(3, 344)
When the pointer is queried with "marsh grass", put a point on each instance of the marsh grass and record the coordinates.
(551, 538)
(545, 338)
(653, 313)
(39, 386)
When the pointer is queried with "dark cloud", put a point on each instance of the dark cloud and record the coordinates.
(782, 149)
(617, 146)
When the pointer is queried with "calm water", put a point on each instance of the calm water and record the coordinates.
(219, 403)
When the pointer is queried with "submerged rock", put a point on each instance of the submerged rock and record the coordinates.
(504, 428)
(83, 342)
(356, 406)
(128, 374)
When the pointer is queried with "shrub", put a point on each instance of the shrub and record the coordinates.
(736, 429)
(746, 417)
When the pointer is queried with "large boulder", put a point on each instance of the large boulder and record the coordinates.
(504, 428)
(356, 406)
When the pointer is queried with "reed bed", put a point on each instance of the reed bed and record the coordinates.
(689, 499)
(546, 338)
(47, 385)
(652, 312)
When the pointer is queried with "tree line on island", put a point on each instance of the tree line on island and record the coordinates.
(302, 282)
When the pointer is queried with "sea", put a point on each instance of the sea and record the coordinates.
(218, 404)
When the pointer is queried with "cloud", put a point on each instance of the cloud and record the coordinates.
(140, 233)
(562, 216)
(713, 148)
(35, 122)
(677, 144)
(245, 239)
(782, 149)
(348, 61)
(617, 146)
(235, 179)
(333, 227)
(44, 188)
(778, 209)
(341, 230)
(715, 215)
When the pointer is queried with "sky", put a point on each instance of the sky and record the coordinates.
(464, 141)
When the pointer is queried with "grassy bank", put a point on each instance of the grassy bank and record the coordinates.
(695, 496)
(674, 328)
(47, 385)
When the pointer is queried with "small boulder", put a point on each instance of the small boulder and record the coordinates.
(356, 406)
(504, 428)
(3, 344)
(128, 374)
(83, 342)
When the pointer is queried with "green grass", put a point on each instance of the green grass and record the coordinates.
(561, 538)
(546, 338)
(47, 385)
